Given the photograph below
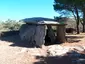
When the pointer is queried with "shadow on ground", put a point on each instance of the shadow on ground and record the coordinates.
(14, 38)
(73, 39)
(75, 58)
(53, 60)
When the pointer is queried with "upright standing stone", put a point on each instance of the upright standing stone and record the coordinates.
(61, 33)
(40, 35)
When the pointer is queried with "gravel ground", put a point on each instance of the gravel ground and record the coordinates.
(14, 51)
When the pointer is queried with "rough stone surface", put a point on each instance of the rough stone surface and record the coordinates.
(56, 50)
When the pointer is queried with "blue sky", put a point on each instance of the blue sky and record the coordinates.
(19, 9)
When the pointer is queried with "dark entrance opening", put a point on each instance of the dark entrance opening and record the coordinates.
(50, 37)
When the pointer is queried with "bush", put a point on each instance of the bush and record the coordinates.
(10, 25)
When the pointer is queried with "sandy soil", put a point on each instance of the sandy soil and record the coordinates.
(14, 51)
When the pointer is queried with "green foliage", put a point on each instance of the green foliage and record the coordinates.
(70, 7)
(10, 25)
(65, 7)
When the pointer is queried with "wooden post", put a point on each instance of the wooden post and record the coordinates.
(61, 33)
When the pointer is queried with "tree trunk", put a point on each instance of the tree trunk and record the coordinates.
(83, 23)
(77, 21)
(77, 29)
(83, 20)
(83, 28)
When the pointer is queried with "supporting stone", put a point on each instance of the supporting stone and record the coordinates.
(61, 33)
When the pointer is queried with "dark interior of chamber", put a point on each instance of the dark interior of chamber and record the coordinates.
(48, 40)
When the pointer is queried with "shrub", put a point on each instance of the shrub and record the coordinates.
(10, 25)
